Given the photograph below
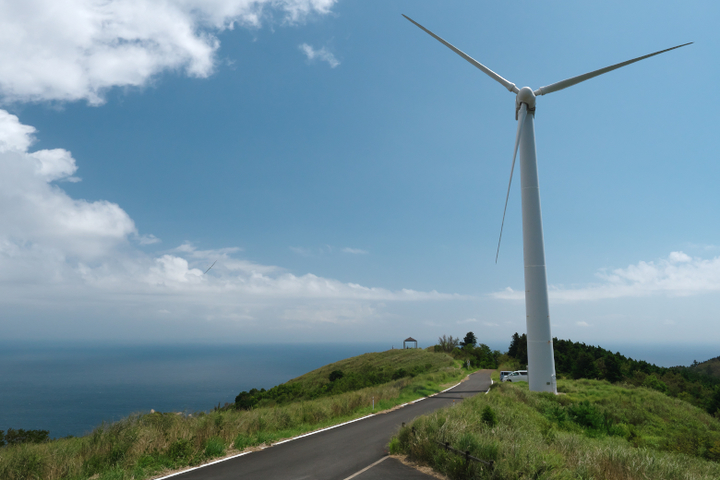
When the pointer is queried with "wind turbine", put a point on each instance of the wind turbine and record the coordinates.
(541, 361)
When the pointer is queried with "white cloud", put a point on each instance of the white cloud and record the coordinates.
(77, 49)
(59, 253)
(36, 215)
(301, 251)
(322, 54)
(149, 239)
(582, 324)
(467, 320)
(675, 276)
(338, 314)
(355, 251)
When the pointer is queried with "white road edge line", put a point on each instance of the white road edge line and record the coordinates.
(307, 435)
(202, 466)
(491, 384)
(366, 468)
(323, 429)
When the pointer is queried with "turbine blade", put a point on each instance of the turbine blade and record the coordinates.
(521, 122)
(210, 267)
(505, 83)
(569, 82)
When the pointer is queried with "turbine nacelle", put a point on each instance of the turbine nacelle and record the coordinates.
(526, 96)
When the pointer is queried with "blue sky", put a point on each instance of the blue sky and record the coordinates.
(347, 172)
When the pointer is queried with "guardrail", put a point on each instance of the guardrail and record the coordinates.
(466, 453)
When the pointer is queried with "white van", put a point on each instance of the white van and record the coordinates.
(503, 374)
(516, 376)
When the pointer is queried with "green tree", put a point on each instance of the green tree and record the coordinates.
(714, 405)
(518, 348)
(469, 340)
(612, 369)
(585, 367)
(447, 344)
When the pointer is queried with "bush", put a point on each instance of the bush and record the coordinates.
(180, 450)
(651, 381)
(399, 373)
(588, 416)
(488, 416)
(447, 344)
(214, 447)
(17, 437)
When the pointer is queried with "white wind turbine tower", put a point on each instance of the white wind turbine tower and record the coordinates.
(541, 361)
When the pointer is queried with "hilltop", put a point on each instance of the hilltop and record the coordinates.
(348, 375)
(711, 367)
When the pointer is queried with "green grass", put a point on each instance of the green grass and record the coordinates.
(348, 375)
(145, 445)
(595, 430)
(411, 360)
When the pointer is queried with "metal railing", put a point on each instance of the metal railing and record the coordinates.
(466, 453)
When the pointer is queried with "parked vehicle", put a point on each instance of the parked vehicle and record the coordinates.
(503, 374)
(517, 376)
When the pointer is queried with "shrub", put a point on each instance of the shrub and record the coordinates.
(399, 373)
(16, 437)
(488, 416)
(214, 447)
(447, 344)
(180, 450)
(651, 381)
(588, 416)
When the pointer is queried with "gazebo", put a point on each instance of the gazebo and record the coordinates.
(408, 341)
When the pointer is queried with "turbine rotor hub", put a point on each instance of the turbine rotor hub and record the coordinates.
(526, 96)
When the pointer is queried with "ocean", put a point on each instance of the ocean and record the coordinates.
(69, 390)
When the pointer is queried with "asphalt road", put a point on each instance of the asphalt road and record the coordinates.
(338, 453)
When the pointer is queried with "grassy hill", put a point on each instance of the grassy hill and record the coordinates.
(395, 362)
(347, 375)
(144, 445)
(592, 430)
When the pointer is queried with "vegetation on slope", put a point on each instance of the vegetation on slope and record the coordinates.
(347, 375)
(594, 431)
(578, 360)
(710, 368)
(144, 445)
(469, 351)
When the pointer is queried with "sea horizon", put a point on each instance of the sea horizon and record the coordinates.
(70, 388)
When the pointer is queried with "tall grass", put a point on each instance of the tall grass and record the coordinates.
(594, 431)
(144, 445)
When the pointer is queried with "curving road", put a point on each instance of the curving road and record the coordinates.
(338, 453)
